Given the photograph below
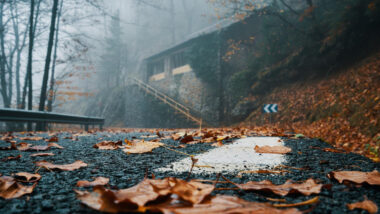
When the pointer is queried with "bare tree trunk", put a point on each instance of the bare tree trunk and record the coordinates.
(28, 77)
(3, 81)
(51, 93)
(47, 62)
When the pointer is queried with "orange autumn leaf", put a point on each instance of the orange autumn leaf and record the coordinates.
(52, 139)
(44, 147)
(31, 138)
(187, 138)
(9, 188)
(273, 149)
(11, 158)
(141, 147)
(192, 191)
(41, 154)
(148, 191)
(65, 167)
(224, 204)
(27, 177)
(368, 205)
(108, 145)
(358, 177)
(97, 181)
(306, 188)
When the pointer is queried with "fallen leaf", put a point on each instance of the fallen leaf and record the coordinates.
(358, 177)
(41, 154)
(55, 145)
(273, 149)
(31, 138)
(178, 135)
(52, 139)
(187, 139)
(224, 204)
(108, 145)
(11, 158)
(368, 205)
(192, 191)
(65, 167)
(306, 188)
(141, 147)
(97, 181)
(27, 177)
(310, 201)
(10, 189)
(23, 146)
(218, 144)
(260, 171)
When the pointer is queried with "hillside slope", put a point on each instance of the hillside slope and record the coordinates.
(343, 109)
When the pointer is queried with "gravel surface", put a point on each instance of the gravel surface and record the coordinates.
(54, 192)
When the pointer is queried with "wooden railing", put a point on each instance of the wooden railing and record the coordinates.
(164, 98)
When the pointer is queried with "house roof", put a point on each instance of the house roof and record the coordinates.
(225, 23)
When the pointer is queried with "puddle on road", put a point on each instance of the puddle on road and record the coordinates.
(237, 156)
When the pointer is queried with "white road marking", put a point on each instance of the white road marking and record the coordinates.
(237, 156)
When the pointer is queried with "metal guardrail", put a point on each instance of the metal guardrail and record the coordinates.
(164, 98)
(17, 115)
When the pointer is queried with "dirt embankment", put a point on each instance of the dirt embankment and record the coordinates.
(341, 109)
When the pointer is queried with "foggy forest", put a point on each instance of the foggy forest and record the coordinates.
(189, 106)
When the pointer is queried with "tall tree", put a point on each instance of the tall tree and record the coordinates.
(3, 61)
(48, 57)
(52, 78)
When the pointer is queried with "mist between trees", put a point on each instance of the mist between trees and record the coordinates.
(79, 57)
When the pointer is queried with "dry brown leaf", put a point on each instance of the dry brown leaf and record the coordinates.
(108, 145)
(224, 204)
(31, 138)
(358, 177)
(65, 167)
(102, 199)
(10, 189)
(368, 205)
(178, 135)
(260, 171)
(187, 139)
(306, 188)
(310, 201)
(192, 191)
(52, 139)
(273, 149)
(218, 144)
(11, 158)
(43, 148)
(23, 146)
(141, 147)
(97, 181)
(41, 154)
(27, 177)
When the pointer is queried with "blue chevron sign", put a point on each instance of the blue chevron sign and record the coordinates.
(270, 108)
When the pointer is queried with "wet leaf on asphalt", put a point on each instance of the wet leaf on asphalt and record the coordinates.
(358, 177)
(27, 177)
(65, 167)
(141, 147)
(273, 149)
(11, 158)
(225, 204)
(108, 145)
(306, 188)
(96, 182)
(368, 205)
(52, 139)
(9, 188)
(40, 154)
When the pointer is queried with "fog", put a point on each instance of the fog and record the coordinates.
(210, 62)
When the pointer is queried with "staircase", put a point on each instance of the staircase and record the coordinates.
(169, 101)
